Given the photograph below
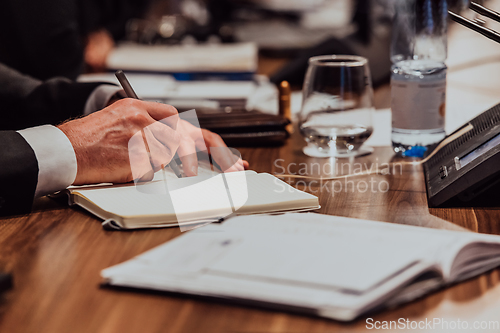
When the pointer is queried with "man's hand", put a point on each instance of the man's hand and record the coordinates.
(101, 140)
(107, 142)
(194, 139)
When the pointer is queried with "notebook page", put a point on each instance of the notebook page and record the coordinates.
(248, 190)
(196, 197)
(128, 201)
(268, 191)
(333, 277)
(203, 196)
(347, 258)
(298, 252)
(155, 197)
(470, 254)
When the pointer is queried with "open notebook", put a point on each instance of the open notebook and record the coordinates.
(330, 266)
(169, 201)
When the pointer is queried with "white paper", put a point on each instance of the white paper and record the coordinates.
(339, 265)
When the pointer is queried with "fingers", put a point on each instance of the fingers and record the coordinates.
(221, 154)
(187, 154)
(172, 121)
(151, 149)
(227, 161)
(149, 112)
(160, 140)
(191, 143)
(140, 164)
(135, 138)
(194, 139)
(166, 136)
(160, 155)
(165, 113)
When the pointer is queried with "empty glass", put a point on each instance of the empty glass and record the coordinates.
(337, 107)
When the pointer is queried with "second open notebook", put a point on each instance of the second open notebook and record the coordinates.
(329, 266)
(191, 201)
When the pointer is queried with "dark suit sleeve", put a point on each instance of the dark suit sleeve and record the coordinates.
(18, 174)
(27, 102)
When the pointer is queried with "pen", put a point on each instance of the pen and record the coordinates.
(484, 11)
(129, 91)
(491, 34)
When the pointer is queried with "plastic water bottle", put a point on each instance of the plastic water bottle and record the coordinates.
(418, 78)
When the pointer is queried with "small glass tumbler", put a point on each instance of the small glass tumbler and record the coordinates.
(337, 107)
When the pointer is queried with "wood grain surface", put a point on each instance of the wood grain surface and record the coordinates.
(56, 253)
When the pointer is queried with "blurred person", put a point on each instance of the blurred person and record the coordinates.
(43, 48)
(45, 39)
(49, 38)
(26, 101)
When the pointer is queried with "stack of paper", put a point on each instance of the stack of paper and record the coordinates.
(240, 58)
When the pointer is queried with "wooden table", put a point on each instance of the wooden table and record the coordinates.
(56, 254)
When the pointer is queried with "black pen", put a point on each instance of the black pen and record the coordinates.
(484, 11)
(489, 33)
(129, 91)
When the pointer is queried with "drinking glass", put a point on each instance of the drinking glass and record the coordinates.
(337, 107)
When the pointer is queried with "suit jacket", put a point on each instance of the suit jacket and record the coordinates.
(18, 174)
(27, 102)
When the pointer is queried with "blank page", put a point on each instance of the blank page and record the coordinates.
(199, 197)
(343, 256)
(267, 190)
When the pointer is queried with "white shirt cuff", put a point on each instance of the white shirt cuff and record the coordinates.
(56, 158)
(99, 98)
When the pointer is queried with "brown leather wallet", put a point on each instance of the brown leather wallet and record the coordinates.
(247, 128)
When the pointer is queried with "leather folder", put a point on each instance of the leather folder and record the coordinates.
(247, 128)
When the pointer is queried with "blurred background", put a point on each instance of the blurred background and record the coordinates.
(281, 29)
(293, 30)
